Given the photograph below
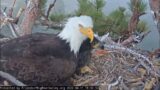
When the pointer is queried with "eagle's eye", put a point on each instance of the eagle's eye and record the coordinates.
(87, 31)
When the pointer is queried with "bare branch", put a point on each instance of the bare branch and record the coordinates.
(11, 78)
(50, 8)
(115, 83)
(4, 20)
(134, 38)
(11, 9)
(18, 15)
(14, 33)
(87, 81)
(128, 40)
(4, 39)
(51, 24)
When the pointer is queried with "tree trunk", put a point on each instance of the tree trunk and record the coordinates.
(134, 18)
(30, 15)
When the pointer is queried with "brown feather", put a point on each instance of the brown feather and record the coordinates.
(42, 59)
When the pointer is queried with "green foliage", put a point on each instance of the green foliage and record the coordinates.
(93, 8)
(84, 7)
(141, 6)
(142, 26)
(118, 22)
(99, 4)
(58, 17)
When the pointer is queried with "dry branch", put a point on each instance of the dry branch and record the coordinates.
(4, 39)
(11, 78)
(134, 38)
(14, 33)
(87, 81)
(115, 83)
(5, 20)
(11, 9)
(18, 15)
(50, 8)
(51, 24)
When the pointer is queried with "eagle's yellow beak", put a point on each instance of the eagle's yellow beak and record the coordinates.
(88, 32)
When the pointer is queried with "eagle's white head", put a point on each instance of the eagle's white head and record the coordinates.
(76, 30)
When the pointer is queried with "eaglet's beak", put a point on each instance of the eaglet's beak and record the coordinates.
(88, 32)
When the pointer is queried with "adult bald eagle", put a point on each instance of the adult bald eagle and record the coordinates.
(45, 59)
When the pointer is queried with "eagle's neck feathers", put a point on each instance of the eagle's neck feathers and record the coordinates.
(72, 36)
(71, 32)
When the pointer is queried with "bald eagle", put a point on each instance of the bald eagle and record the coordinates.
(46, 59)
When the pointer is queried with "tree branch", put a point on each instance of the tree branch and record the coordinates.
(135, 38)
(51, 24)
(11, 78)
(11, 9)
(50, 8)
(18, 15)
(14, 33)
(115, 83)
(132, 25)
(4, 40)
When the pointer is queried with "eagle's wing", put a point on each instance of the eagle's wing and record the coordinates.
(37, 59)
(35, 45)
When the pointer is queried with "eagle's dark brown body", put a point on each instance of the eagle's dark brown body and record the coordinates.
(42, 59)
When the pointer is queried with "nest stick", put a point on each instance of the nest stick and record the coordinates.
(11, 78)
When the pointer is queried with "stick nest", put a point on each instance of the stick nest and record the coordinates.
(120, 71)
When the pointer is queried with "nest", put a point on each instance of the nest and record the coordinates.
(119, 71)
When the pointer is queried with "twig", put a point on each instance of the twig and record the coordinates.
(18, 15)
(4, 20)
(14, 33)
(87, 81)
(11, 78)
(51, 24)
(135, 38)
(4, 39)
(50, 7)
(11, 9)
(123, 85)
(115, 83)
